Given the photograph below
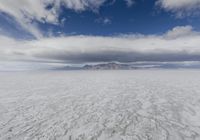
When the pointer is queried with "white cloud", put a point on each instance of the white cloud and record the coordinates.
(104, 21)
(129, 3)
(107, 21)
(180, 31)
(80, 5)
(180, 7)
(28, 12)
(179, 44)
(25, 12)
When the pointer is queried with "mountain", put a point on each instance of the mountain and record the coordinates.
(106, 66)
(120, 66)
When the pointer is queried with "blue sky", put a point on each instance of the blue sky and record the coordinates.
(87, 31)
(109, 18)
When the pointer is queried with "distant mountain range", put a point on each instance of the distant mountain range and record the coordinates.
(108, 66)
(120, 66)
(114, 66)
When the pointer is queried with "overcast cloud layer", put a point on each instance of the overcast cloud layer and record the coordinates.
(179, 44)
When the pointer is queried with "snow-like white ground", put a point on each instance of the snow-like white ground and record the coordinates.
(100, 105)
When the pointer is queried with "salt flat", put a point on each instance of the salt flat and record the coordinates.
(100, 105)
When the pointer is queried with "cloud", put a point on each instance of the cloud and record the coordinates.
(107, 21)
(180, 31)
(180, 7)
(177, 45)
(129, 3)
(25, 11)
(81, 5)
(28, 12)
(104, 21)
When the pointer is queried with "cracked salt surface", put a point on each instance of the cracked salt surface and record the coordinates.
(100, 105)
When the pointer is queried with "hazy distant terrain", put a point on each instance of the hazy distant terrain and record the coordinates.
(100, 105)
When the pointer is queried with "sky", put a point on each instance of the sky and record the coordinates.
(46, 33)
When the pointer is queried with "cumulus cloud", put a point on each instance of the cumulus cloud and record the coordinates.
(177, 45)
(180, 7)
